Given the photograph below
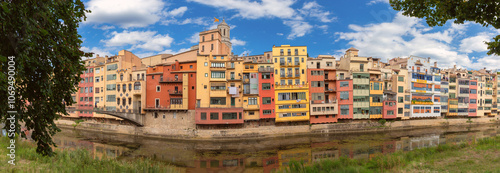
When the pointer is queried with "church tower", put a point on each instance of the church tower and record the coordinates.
(224, 30)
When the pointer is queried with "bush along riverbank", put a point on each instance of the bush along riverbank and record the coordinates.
(482, 155)
(27, 160)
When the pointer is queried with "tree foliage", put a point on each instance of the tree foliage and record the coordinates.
(42, 36)
(438, 12)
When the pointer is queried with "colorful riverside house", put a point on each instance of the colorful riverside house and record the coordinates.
(488, 100)
(86, 89)
(131, 96)
(376, 95)
(472, 98)
(400, 86)
(251, 99)
(389, 109)
(321, 77)
(445, 95)
(171, 91)
(424, 94)
(218, 103)
(291, 89)
(344, 94)
(107, 78)
(266, 92)
(496, 93)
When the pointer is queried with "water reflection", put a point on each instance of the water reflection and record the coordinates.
(265, 155)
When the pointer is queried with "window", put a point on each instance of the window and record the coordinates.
(97, 79)
(214, 116)
(401, 79)
(344, 109)
(266, 86)
(112, 67)
(203, 116)
(206, 64)
(390, 112)
(266, 100)
(400, 110)
(400, 89)
(252, 101)
(158, 89)
(218, 74)
(110, 87)
(344, 95)
(111, 98)
(111, 77)
(230, 116)
(400, 100)
(266, 75)
(266, 112)
(344, 84)
(217, 100)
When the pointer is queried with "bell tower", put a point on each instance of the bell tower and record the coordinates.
(224, 30)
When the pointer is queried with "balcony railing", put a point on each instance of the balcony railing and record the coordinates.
(330, 89)
(175, 92)
(266, 69)
(170, 80)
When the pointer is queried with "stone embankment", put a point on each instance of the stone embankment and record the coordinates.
(360, 126)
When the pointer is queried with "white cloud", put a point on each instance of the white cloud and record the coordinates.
(299, 28)
(405, 36)
(147, 40)
(476, 43)
(177, 12)
(195, 38)
(104, 27)
(280, 34)
(282, 9)
(377, 1)
(324, 28)
(236, 42)
(95, 50)
(313, 9)
(253, 9)
(245, 53)
(126, 13)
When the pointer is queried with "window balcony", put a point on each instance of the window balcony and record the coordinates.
(175, 92)
(170, 80)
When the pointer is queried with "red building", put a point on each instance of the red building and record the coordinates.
(345, 98)
(86, 90)
(266, 92)
(472, 98)
(171, 86)
(322, 89)
(389, 109)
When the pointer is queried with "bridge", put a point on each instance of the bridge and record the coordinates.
(133, 116)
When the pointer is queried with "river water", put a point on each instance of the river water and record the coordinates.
(265, 155)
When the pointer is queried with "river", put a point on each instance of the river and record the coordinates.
(265, 155)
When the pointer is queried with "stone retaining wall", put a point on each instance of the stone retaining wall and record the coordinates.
(361, 126)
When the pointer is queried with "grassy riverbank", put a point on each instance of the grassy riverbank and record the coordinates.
(480, 156)
(27, 160)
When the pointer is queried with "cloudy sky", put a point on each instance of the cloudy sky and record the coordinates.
(150, 27)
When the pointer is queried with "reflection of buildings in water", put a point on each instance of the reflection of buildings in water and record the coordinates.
(97, 150)
(219, 164)
(389, 147)
(270, 164)
(455, 138)
(424, 142)
(375, 150)
(300, 154)
(361, 151)
(325, 150)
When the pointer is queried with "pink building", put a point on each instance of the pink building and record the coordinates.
(345, 99)
(473, 98)
(86, 90)
(389, 109)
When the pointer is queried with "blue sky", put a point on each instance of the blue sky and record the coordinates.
(150, 27)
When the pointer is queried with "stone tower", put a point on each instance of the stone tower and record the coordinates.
(224, 29)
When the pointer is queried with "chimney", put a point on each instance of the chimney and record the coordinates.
(96, 55)
(454, 66)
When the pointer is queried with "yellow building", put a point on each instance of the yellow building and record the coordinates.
(376, 98)
(291, 87)
(250, 91)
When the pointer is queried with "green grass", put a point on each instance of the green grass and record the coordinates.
(27, 160)
(480, 156)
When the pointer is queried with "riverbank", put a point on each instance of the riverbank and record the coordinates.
(359, 126)
(80, 160)
(482, 155)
